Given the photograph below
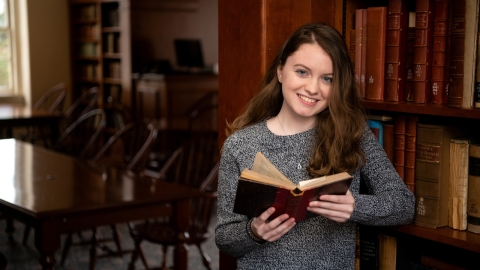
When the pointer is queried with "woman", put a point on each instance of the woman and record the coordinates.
(308, 121)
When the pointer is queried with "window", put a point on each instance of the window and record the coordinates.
(5, 48)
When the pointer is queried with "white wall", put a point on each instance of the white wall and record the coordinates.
(155, 28)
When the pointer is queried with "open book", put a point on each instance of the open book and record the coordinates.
(264, 186)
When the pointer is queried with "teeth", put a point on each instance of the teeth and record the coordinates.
(307, 99)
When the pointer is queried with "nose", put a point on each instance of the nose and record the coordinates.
(312, 87)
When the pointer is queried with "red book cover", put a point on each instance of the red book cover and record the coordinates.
(359, 48)
(423, 51)
(410, 147)
(396, 46)
(399, 145)
(375, 63)
(440, 26)
(363, 67)
(409, 69)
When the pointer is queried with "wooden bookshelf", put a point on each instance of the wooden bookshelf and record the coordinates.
(101, 51)
(268, 25)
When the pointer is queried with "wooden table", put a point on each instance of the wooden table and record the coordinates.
(15, 115)
(55, 194)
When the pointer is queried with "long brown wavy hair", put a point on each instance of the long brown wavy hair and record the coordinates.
(340, 126)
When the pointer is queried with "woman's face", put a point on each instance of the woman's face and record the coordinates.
(306, 79)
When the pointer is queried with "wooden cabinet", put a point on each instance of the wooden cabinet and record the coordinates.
(250, 34)
(101, 54)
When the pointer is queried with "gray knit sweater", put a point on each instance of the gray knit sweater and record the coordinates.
(316, 243)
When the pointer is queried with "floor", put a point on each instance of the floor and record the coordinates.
(26, 257)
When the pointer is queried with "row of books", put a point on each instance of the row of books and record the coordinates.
(428, 55)
(440, 164)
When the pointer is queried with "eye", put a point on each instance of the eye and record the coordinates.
(302, 72)
(328, 79)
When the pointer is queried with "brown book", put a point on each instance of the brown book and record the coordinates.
(459, 154)
(463, 50)
(473, 200)
(396, 47)
(409, 68)
(358, 49)
(423, 50)
(440, 26)
(388, 140)
(476, 98)
(432, 173)
(387, 252)
(351, 49)
(363, 66)
(399, 145)
(410, 147)
(375, 62)
(265, 186)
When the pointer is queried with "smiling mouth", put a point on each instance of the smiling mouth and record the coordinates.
(306, 99)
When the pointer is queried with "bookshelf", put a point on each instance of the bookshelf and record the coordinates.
(101, 51)
(268, 24)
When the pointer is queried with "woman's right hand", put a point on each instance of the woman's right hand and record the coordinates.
(271, 230)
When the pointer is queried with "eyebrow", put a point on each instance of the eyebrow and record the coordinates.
(307, 68)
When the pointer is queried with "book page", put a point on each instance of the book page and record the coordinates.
(262, 178)
(321, 181)
(263, 166)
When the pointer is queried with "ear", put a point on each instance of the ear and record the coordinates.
(279, 73)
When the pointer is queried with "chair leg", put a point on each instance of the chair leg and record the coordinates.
(26, 234)
(164, 262)
(116, 238)
(66, 248)
(205, 258)
(93, 249)
(137, 251)
(10, 229)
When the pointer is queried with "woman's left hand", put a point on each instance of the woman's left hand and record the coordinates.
(338, 208)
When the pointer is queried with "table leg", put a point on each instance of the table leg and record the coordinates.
(47, 242)
(182, 222)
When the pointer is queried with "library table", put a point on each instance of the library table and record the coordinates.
(55, 193)
(20, 115)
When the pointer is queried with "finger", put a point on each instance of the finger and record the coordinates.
(265, 215)
(332, 206)
(331, 214)
(280, 230)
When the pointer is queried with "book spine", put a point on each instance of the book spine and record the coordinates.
(409, 69)
(387, 251)
(399, 145)
(358, 48)
(476, 97)
(473, 198)
(376, 127)
(423, 51)
(363, 66)
(368, 248)
(458, 184)
(410, 148)
(432, 173)
(388, 140)
(351, 49)
(395, 54)
(376, 43)
(440, 25)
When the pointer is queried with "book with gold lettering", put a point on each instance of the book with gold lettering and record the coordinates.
(265, 186)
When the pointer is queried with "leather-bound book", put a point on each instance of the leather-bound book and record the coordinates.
(476, 98)
(399, 145)
(359, 50)
(463, 53)
(265, 186)
(363, 66)
(396, 46)
(459, 155)
(432, 172)
(473, 200)
(410, 147)
(423, 50)
(409, 69)
(375, 62)
(440, 26)
(388, 140)
(351, 49)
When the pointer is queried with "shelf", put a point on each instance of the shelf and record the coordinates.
(112, 29)
(112, 81)
(424, 109)
(112, 55)
(446, 235)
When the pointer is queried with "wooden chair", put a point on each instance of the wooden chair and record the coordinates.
(194, 164)
(52, 101)
(80, 137)
(86, 102)
(127, 149)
